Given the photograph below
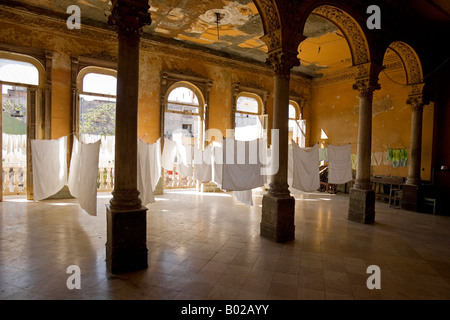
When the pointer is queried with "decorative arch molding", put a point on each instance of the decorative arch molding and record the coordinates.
(352, 31)
(412, 66)
(269, 15)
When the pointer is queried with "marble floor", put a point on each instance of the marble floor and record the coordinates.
(207, 247)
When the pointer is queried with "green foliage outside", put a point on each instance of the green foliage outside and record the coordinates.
(100, 120)
(14, 125)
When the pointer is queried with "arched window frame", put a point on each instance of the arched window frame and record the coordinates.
(38, 100)
(260, 95)
(298, 103)
(80, 67)
(201, 88)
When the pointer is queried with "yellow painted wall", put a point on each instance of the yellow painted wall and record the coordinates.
(334, 110)
(65, 44)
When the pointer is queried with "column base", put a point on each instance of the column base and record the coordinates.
(411, 198)
(362, 206)
(126, 246)
(277, 221)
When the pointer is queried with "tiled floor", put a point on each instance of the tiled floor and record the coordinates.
(207, 246)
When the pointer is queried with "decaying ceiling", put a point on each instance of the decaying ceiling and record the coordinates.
(232, 27)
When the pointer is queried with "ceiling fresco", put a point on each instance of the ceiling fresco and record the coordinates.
(231, 27)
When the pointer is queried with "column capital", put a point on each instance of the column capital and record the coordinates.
(129, 16)
(282, 50)
(416, 102)
(366, 81)
(282, 62)
(366, 86)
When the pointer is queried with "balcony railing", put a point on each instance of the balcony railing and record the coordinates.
(15, 180)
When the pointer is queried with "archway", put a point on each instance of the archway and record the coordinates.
(21, 83)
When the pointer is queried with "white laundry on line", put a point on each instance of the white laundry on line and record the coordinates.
(339, 164)
(49, 162)
(145, 160)
(202, 164)
(305, 168)
(169, 153)
(83, 174)
(245, 196)
(185, 157)
(242, 167)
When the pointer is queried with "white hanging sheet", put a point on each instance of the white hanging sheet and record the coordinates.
(83, 174)
(169, 153)
(155, 162)
(339, 164)
(185, 156)
(202, 164)
(49, 161)
(107, 147)
(305, 171)
(217, 163)
(245, 196)
(290, 166)
(144, 173)
(242, 168)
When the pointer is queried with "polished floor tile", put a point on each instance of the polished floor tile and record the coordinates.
(206, 246)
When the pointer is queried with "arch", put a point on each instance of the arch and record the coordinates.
(350, 28)
(410, 61)
(28, 59)
(79, 91)
(34, 113)
(254, 96)
(184, 116)
(193, 88)
(270, 15)
(200, 105)
(296, 108)
(92, 69)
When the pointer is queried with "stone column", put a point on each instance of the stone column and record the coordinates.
(412, 189)
(416, 140)
(126, 247)
(278, 206)
(362, 197)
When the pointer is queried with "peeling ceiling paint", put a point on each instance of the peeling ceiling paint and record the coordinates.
(237, 32)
